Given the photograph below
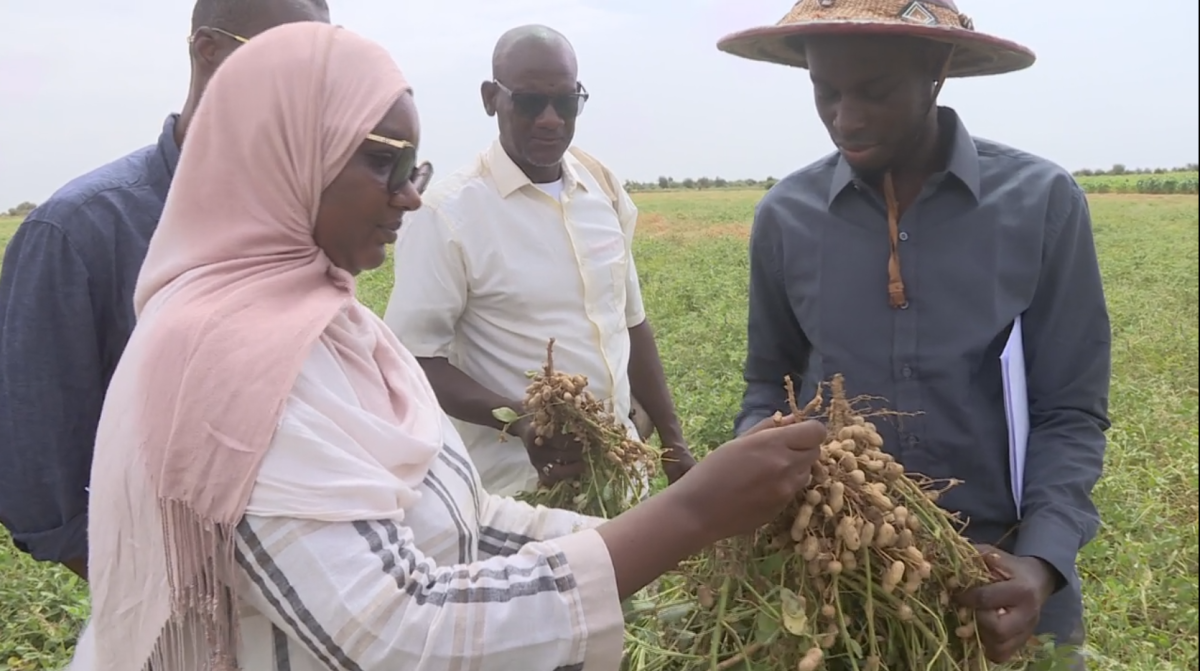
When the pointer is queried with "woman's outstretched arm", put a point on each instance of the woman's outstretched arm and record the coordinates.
(362, 595)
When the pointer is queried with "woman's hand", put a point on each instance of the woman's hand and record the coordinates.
(737, 488)
(748, 481)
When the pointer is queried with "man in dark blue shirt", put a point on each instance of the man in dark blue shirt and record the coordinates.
(903, 262)
(66, 302)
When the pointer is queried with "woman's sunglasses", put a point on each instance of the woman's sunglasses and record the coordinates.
(405, 169)
(219, 31)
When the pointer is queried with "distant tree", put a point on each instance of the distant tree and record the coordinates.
(21, 210)
(1148, 185)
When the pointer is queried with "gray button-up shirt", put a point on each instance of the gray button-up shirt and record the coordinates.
(999, 233)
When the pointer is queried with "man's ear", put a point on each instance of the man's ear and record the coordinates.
(487, 92)
(206, 49)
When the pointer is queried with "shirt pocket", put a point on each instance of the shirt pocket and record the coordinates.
(603, 264)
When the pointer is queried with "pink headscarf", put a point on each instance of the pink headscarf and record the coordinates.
(232, 297)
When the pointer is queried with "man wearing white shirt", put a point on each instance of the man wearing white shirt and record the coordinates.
(529, 242)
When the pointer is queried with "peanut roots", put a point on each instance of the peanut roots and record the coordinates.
(857, 574)
(618, 468)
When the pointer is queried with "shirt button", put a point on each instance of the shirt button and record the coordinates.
(906, 371)
(904, 235)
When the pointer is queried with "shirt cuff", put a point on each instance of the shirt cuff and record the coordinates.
(596, 580)
(1053, 541)
(749, 422)
(424, 349)
(61, 544)
(589, 522)
(635, 317)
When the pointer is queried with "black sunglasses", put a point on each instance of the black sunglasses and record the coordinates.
(405, 168)
(568, 105)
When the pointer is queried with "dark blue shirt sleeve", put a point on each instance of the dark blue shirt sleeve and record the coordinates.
(775, 345)
(1068, 344)
(51, 393)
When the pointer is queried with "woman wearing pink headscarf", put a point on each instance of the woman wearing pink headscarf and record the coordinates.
(274, 485)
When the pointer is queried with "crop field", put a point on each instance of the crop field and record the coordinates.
(1161, 183)
(1140, 574)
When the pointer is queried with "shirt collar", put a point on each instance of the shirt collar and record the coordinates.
(168, 149)
(963, 163)
(509, 178)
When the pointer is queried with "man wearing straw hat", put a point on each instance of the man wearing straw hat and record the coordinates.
(910, 260)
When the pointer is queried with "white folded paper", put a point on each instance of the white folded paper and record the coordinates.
(1016, 408)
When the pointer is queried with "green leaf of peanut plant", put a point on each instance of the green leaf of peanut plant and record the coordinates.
(506, 415)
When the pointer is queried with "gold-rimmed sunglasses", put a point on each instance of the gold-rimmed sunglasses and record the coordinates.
(405, 169)
(233, 36)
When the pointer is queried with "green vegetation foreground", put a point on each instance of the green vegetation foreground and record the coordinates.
(1140, 575)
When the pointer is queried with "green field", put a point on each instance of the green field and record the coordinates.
(1170, 182)
(1132, 178)
(1140, 574)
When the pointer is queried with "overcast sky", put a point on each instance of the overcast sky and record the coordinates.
(84, 82)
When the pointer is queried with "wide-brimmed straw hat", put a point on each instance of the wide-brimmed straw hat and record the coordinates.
(975, 54)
